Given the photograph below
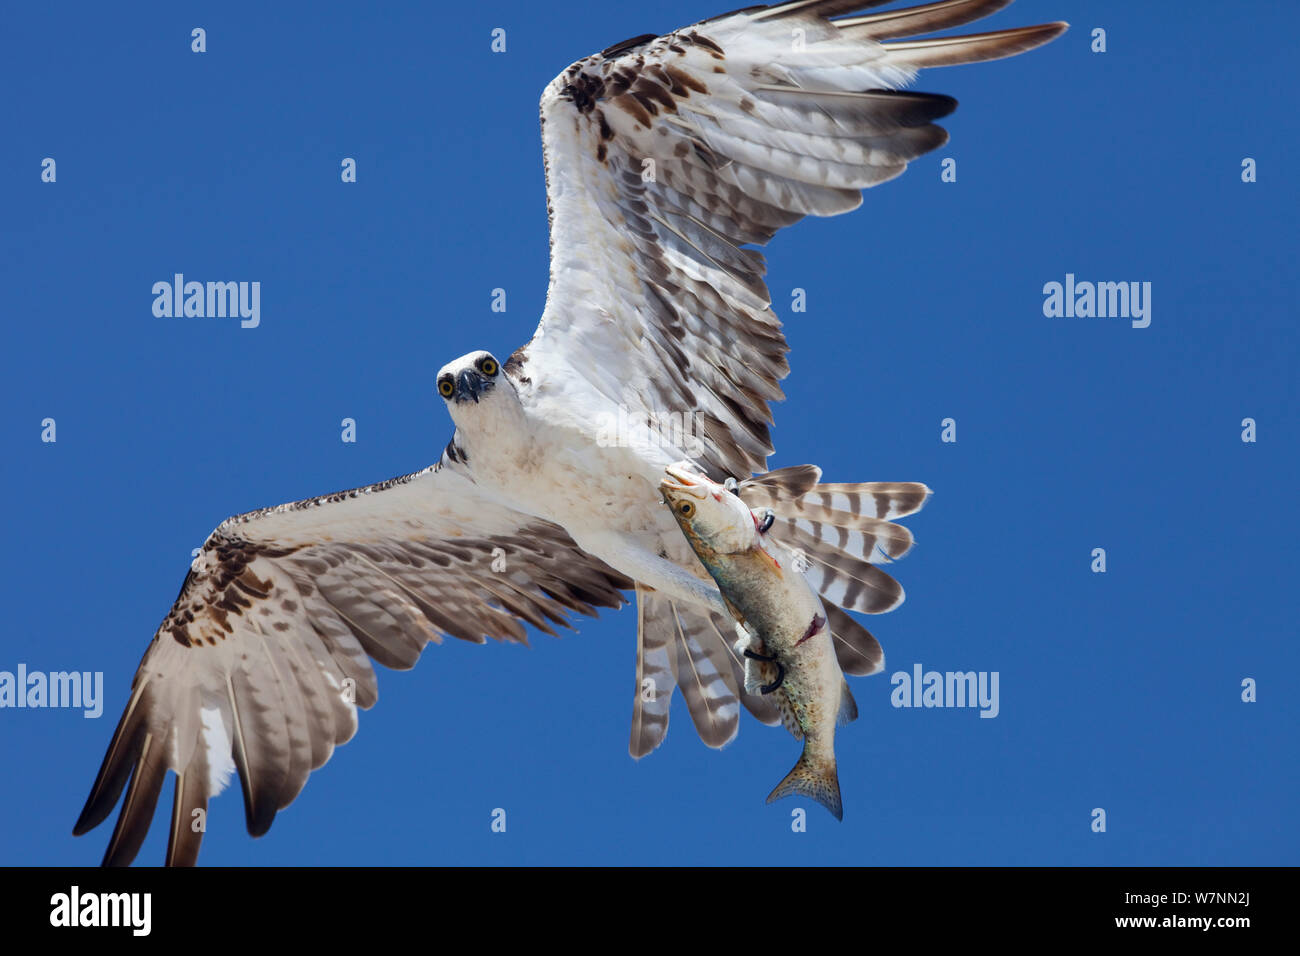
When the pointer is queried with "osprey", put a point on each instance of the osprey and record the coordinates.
(667, 158)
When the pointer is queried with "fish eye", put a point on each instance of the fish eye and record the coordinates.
(488, 366)
(445, 388)
(686, 509)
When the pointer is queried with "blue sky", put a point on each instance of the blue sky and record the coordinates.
(1119, 690)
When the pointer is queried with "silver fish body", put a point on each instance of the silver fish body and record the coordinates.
(787, 643)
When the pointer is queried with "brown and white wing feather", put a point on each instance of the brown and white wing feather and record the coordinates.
(656, 672)
(667, 156)
(261, 663)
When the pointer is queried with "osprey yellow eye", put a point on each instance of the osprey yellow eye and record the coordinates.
(488, 366)
(686, 508)
(445, 388)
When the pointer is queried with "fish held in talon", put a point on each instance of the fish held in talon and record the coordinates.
(784, 638)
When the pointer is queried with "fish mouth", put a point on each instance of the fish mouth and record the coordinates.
(679, 482)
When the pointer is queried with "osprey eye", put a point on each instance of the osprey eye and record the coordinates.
(488, 366)
(686, 508)
(445, 388)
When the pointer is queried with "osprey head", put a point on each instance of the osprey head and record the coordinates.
(469, 379)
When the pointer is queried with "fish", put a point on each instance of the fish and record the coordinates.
(782, 624)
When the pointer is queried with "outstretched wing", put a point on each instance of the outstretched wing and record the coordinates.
(666, 157)
(265, 656)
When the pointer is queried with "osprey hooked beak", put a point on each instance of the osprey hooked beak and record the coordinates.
(469, 384)
(468, 378)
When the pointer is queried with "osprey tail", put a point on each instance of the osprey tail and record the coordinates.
(840, 533)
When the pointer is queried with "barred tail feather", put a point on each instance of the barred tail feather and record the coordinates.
(842, 530)
(858, 653)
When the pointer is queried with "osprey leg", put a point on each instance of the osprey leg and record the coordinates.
(634, 559)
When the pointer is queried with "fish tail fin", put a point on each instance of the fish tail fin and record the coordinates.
(815, 778)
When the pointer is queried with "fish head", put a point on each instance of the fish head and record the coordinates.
(712, 516)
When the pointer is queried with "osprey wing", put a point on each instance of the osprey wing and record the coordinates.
(261, 663)
(668, 157)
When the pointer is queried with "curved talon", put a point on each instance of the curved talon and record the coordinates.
(780, 671)
(767, 521)
(780, 679)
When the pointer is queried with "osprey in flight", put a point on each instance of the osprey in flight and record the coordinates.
(667, 159)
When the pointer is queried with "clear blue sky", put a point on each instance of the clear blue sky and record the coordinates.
(1118, 690)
